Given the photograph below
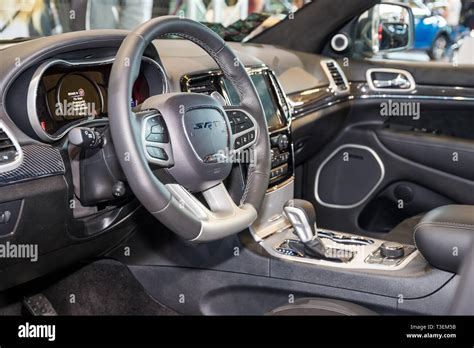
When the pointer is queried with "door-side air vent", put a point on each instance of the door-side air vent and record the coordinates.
(10, 151)
(205, 84)
(337, 79)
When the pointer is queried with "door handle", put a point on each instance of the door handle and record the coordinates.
(387, 79)
(400, 82)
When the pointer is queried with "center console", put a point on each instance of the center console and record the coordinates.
(275, 230)
(299, 239)
(353, 251)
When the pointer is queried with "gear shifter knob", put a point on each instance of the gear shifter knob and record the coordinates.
(302, 217)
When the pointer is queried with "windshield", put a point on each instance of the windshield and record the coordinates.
(234, 20)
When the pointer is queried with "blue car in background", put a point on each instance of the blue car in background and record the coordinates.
(432, 32)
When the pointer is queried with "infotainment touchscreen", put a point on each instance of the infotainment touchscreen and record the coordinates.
(269, 102)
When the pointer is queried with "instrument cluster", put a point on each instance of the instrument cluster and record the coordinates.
(64, 94)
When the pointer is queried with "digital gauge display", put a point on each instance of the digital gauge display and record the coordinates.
(71, 97)
(77, 97)
(71, 94)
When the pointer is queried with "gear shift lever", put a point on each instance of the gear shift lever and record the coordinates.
(302, 217)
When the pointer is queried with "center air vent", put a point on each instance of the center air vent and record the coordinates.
(205, 84)
(10, 152)
(336, 77)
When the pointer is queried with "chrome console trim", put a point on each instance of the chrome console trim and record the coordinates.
(323, 97)
(270, 217)
(358, 262)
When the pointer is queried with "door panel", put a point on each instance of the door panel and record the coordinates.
(421, 171)
(432, 150)
(427, 158)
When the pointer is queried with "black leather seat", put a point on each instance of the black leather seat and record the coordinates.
(444, 235)
(321, 306)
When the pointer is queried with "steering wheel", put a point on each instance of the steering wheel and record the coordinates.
(190, 139)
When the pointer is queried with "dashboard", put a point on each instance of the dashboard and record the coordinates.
(65, 90)
(65, 94)
(80, 195)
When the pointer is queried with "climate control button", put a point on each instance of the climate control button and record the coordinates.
(283, 142)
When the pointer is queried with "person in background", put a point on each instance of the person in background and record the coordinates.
(102, 14)
(256, 6)
(453, 13)
(161, 8)
(26, 19)
(297, 4)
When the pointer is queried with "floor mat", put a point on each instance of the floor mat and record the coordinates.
(103, 288)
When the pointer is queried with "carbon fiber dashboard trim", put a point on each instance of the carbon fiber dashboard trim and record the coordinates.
(38, 162)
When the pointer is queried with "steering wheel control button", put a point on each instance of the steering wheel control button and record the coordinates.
(157, 152)
(239, 128)
(238, 143)
(157, 138)
(244, 140)
(155, 130)
(392, 250)
(239, 121)
(251, 136)
(158, 129)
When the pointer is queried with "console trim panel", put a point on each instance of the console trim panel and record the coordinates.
(272, 242)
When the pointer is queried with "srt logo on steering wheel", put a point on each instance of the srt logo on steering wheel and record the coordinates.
(206, 125)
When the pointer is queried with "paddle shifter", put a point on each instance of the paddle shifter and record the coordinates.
(302, 217)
